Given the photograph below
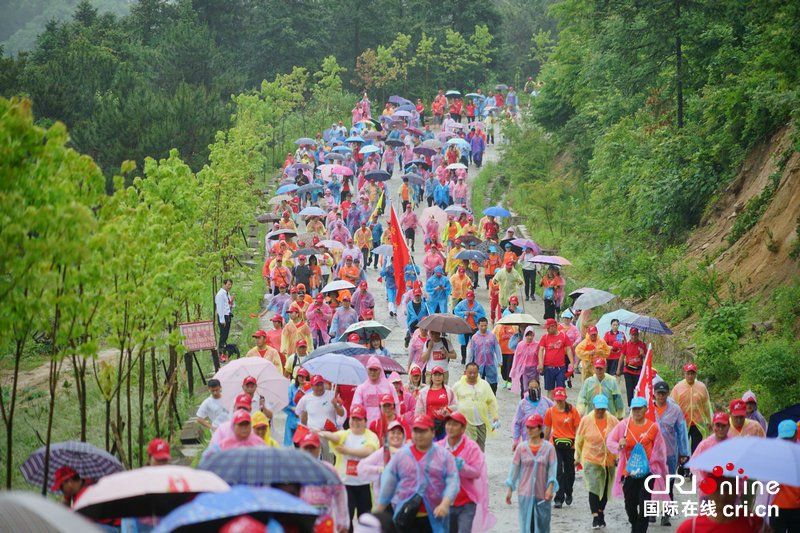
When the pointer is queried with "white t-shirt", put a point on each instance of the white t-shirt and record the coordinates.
(319, 409)
(439, 356)
(213, 409)
(347, 465)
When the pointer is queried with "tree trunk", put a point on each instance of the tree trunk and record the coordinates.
(679, 65)
(128, 404)
(8, 417)
(79, 371)
(154, 369)
(142, 377)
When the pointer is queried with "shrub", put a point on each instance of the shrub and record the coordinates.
(714, 356)
(770, 369)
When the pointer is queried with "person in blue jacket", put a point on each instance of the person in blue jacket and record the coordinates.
(411, 273)
(438, 289)
(470, 310)
(387, 274)
(377, 231)
(416, 310)
(441, 195)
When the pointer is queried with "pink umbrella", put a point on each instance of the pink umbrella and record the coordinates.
(438, 214)
(415, 131)
(148, 491)
(345, 171)
(271, 384)
(388, 364)
(402, 114)
(330, 243)
(443, 136)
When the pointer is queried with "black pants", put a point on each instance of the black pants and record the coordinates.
(630, 384)
(365, 257)
(549, 309)
(467, 337)
(359, 498)
(490, 138)
(405, 203)
(420, 524)
(787, 521)
(530, 283)
(635, 496)
(597, 502)
(430, 200)
(565, 471)
(224, 329)
(488, 279)
(694, 436)
(505, 368)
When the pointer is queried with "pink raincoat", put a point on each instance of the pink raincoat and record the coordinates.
(415, 349)
(407, 400)
(530, 475)
(474, 479)
(526, 356)
(431, 229)
(331, 499)
(318, 323)
(657, 460)
(368, 394)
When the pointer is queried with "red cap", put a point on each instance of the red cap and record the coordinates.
(720, 418)
(415, 371)
(438, 369)
(458, 241)
(241, 416)
(159, 449)
(243, 400)
(599, 362)
(63, 474)
(319, 297)
(362, 285)
(248, 380)
(634, 331)
(616, 346)
(592, 330)
(303, 372)
(286, 214)
(738, 407)
(301, 257)
(260, 333)
(317, 379)
(370, 314)
(559, 393)
(534, 421)
(550, 322)
(281, 285)
(358, 411)
(422, 422)
(294, 308)
(310, 439)
(349, 239)
(509, 263)
(353, 337)
(281, 237)
(345, 296)
(689, 367)
(458, 417)
(386, 399)
(513, 300)
(302, 342)
(470, 295)
(417, 291)
(293, 289)
(277, 318)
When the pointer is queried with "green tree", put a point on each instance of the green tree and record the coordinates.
(455, 56)
(481, 51)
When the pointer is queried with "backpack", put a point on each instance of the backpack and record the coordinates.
(549, 293)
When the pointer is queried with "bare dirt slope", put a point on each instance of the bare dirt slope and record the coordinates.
(749, 261)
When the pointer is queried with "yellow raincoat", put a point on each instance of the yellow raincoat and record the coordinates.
(260, 418)
(584, 352)
(591, 451)
(695, 403)
(507, 281)
(476, 399)
(451, 266)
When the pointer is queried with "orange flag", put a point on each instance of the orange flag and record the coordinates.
(401, 256)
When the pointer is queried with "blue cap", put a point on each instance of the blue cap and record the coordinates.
(600, 401)
(567, 314)
(638, 402)
(787, 429)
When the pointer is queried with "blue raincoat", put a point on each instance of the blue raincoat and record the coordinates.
(529, 475)
(462, 308)
(438, 299)
(411, 316)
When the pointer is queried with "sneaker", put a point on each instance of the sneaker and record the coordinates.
(665, 521)
(557, 505)
(601, 518)
(596, 522)
(568, 500)
(508, 386)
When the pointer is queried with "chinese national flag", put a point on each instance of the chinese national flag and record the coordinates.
(401, 256)
(644, 387)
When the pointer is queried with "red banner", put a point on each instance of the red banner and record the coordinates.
(401, 256)
(199, 335)
(644, 387)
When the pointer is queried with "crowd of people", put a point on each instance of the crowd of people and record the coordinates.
(414, 449)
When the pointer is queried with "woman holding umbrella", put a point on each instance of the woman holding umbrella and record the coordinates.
(552, 282)
(436, 400)
(296, 391)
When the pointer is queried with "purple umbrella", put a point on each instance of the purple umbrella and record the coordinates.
(527, 243)
(443, 136)
(414, 131)
(398, 100)
(90, 462)
(401, 114)
(648, 324)
(424, 151)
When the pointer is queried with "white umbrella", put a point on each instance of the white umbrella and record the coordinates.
(270, 383)
(590, 299)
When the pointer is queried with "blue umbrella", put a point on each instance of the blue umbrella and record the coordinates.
(377, 175)
(761, 459)
(604, 324)
(471, 255)
(312, 211)
(337, 368)
(344, 348)
(355, 139)
(370, 149)
(341, 149)
(648, 324)
(458, 141)
(209, 511)
(496, 211)
(452, 92)
(261, 466)
(398, 100)
(308, 188)
(287, 188)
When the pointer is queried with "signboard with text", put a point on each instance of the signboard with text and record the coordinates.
(199, 335)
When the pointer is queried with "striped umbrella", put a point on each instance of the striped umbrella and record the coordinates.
(260, 466)
(89, 461)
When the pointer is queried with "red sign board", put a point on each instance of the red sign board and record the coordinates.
(199, 335)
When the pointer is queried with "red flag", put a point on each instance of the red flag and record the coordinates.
(401, 256)
(644, 387)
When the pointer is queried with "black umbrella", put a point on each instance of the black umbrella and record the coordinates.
(414, 178)
(470, 240)
(471, 255)
(514, 248)
(306, 252)
(485, 247)
(268, 217)
(273, 235)
(308, 188)
(395, 142)
(377, 175)
(333, 156)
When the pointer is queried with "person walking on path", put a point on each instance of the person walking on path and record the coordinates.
(631, 360)
(673, 427)
(532, 404)
(638, 433)
(508, 279)
(552, 283)
(369, 393)
(424, 469)
(720, 425)
(597, 462)
(695, 402)
(438, 289)
(471, 311)
(436, 400)
(484, 351)
(525, 367)
(740, 425)
(592, 347)
(470, 509)
(533, 474)
(477, 402)
(560, 425)
(506, 335)
(749, 399)
(601, 383)
(612, 336)
(554, 346)
(529, 273)
(224, 302)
